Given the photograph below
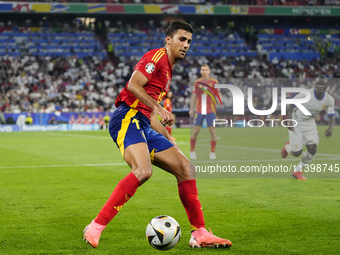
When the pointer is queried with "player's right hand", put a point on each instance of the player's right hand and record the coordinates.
(166, 116)
(191, 113)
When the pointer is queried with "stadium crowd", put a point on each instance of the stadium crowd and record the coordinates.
(33, 83)
(91, 84)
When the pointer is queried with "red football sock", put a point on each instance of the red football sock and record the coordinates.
(125, 189)
(213, 146)
(168, 129)
(192, 144)
(189, 197)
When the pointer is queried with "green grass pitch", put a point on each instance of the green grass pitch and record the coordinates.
(52, 184)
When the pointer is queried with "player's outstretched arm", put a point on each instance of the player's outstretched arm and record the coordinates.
(136, 87)
(328, 132)
(192, 104)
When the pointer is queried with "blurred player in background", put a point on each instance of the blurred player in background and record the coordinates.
(201, 88)
(168, 107)
(142, 139)
(106, 121)
(306, 133)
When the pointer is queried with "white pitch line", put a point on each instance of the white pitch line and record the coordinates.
(122, 164)
(256, 149)
(87, 136)
(220, 146)
(48, 166)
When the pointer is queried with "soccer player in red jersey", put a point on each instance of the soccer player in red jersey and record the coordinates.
(203, 90)
(142, 139)
(168, 106)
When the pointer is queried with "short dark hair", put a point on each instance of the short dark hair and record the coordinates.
(178, 24)
(321, 79)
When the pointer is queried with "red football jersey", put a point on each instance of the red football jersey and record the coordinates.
(156, 67)
(209, 86)
(168, 104)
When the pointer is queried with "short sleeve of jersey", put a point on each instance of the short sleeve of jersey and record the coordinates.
(300, 95)
(330, 108)
(146, 66)
(194, 88)
(149, 63)
(217, 89)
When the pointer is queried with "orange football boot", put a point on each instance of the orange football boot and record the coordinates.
(92, 233)
(202, 238)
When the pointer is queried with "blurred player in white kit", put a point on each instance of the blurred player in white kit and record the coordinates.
(306, 133)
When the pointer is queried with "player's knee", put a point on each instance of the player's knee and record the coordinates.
(195, 132)
(296, 153)
(312, 149)
(143, 174)
(184, 173)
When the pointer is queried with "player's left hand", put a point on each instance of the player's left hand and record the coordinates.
(328, 133)
(166, 116)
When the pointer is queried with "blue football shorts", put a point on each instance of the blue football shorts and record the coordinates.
(198, 119)
(129, 126)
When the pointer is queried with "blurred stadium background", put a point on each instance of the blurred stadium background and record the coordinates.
(60, 59)
(63, 59)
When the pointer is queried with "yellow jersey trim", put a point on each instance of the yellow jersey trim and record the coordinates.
(158, 55)
(135, 103)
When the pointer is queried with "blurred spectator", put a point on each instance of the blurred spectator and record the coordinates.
(28, 120)
(46, 84)
(2, 119)
(52, 121)
(106, 121)
(72, 120)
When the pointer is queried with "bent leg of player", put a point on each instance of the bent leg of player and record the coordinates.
(173, 161)
(210, 120)
(294, 145)
(311, 140)
(198, 120)
(127, 133)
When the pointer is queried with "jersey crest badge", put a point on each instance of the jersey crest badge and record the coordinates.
(150, 67)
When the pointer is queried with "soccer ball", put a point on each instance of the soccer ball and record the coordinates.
(163, 232)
